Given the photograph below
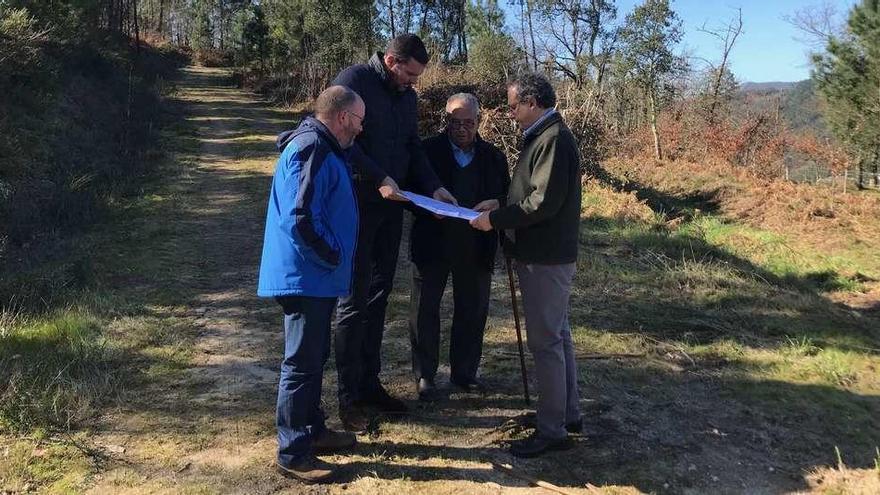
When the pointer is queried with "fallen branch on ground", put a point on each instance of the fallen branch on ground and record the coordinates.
(508, 469)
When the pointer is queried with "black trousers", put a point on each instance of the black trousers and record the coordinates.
(360, 317)
(470, 296)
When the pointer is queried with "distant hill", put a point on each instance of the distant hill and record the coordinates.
(795, 101)
(766, 86)
(801, 107)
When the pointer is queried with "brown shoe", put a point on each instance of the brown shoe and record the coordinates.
(309, 470)
(354, 419)
(330, 441)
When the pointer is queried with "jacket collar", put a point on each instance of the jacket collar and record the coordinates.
(541, 125)
(377, 63)
(310, 124)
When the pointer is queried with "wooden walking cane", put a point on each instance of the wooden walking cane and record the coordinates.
(519, 343)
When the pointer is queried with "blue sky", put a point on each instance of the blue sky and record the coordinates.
(766, 51)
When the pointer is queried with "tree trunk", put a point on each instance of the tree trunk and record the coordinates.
(161, 17)
(861, 180)
(532, 35)
(522, 26)
(137, 30)
(391, 17)
(407, 20)
(652, 99)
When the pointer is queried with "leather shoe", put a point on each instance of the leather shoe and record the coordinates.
(354, 419)
(529, 420)
(535, 445)
(309, 469)
(427, 390)
(383, 401)
(330, 441)
(468, 385)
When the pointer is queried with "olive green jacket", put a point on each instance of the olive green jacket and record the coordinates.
(543, 209)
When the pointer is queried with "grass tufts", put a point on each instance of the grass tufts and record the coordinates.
(58, 371)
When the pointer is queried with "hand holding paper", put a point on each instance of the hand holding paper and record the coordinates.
(439, 207)
(388, 190)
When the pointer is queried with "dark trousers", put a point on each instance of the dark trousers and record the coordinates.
(361, 316)
(299, 417)
(470, 296)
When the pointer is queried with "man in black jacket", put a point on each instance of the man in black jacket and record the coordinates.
(390, 139)
(540, 224)
(476, 173)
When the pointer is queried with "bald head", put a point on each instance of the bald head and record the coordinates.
(342, 111)
(334, 100)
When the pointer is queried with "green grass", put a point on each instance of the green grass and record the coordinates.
(41, 462)
(72, 348)
(57, 367)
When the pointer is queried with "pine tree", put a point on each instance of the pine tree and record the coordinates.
(649, 35)
(848, 78)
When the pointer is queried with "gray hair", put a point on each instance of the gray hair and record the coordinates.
(536, 86)
(467, 99)
(334, 100)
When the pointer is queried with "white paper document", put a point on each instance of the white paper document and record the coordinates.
(439, 207)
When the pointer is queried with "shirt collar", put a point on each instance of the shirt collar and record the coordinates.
(534, 127)
(462, 157)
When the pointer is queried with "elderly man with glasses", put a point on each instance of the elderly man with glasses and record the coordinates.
(475, 172)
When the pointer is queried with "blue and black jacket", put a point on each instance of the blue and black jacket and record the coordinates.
(312, 218)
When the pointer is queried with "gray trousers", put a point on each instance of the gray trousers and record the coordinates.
(545, 293)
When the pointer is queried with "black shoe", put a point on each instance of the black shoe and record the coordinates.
(468, 385)
(529, 420)
(576, 427)
(330, 441)
(381, 400)
(354, 419)
(309, 470)
(427, 390)
(535, 445)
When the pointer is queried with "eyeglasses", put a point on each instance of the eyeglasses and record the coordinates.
(466, 124)
(360, 117)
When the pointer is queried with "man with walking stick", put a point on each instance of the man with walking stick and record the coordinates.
(540, 224)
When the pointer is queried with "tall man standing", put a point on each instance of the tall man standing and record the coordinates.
(540, 224)
(476, 173)
(311, 229)
(391, 140)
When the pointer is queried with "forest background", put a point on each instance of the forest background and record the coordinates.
(626, 88)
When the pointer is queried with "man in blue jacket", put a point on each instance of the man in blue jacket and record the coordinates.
(308, 252)
(392, 143)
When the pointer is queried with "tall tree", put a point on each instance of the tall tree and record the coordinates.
(493, 55)
(721, 83)
(575, 29)
(649, 36)
(848, 78)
